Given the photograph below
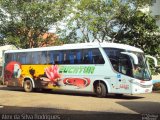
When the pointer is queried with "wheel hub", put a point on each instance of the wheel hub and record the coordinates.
(28, 86)
(99, 90)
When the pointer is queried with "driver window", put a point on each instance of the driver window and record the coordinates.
(125, 66)
(120, 62)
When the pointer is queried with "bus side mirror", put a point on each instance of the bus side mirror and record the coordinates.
(133, 56)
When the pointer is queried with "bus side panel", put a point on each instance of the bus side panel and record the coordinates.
(62, 77)
(65, 77)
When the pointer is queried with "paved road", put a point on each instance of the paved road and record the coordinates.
(18, 102)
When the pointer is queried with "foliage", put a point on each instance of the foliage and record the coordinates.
(113, 21)
(141, 31)
(154, 70)
(23, 22)
(1, 82)
(91, 19)
(156, 86)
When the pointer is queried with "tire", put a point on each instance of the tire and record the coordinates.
(100, 90)
(28, 87)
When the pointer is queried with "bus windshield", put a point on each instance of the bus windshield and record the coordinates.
(124, 64)
(140, 70)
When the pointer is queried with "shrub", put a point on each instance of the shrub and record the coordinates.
(156, 86)
(1, 83)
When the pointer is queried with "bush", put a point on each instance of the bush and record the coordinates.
(1, 83)
(156, 86)
(154, 71)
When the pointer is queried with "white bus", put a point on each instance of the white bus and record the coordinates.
(99, 68)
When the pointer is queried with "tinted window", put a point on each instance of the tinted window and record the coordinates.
(120, 62)
(21, 57)
(51, 57)
(8, 57)
(84, 56)
(97, 57)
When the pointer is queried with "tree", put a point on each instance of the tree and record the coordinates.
(91, 19)
(139, 30)
(22, 22)
(113, 21)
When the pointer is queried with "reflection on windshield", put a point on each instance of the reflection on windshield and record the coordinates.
(141, 71)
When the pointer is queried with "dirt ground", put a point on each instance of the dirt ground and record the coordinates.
(15, 101)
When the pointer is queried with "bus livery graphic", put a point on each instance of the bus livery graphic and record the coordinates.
(79, 82)
(77, 70)
(51, 75)
(12, 70)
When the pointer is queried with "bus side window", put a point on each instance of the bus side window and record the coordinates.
(51, 57)
(60, 55)
(56, 58)
(35, 59)
(66, 60)
(71, 57)
(43, 57)
(90, 57)
(8, 57)
(14, 57)
(97, 57)
(79, 57)
(18, 56)
(115, 63)
(125, 67)
(22, 58)
(120, 63)
(85, 57)
(39, 55)
(28, 58)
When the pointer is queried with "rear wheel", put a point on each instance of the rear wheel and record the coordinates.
(28, 87)
(100, 90)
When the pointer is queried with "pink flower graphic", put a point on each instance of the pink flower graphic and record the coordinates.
(52, 73)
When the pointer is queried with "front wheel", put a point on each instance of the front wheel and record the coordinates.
(100, 90)
(28, 87)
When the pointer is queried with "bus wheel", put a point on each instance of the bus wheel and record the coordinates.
(100, 90)
(28, 87)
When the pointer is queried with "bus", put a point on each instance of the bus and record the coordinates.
(98, 68)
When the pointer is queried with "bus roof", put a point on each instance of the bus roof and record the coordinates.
(80, 46)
